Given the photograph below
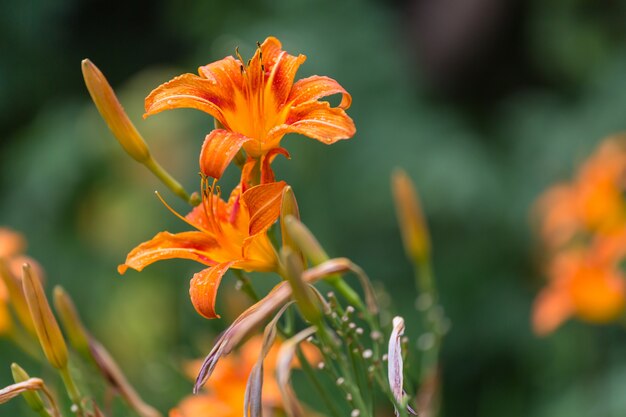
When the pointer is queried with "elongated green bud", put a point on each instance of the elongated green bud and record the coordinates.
(289, 207)
(46, 326)
(304, 240)
(32, 398)
(300, 290)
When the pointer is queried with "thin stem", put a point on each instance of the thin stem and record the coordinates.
(246, 285)
(431, 317)
(346, 291)
(72, 390)
(51, 401)
(310, 373)
(169, 181)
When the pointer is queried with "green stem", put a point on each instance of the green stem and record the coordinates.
(346, 291)
(246, 285)
(430, 316)
(169, 181)
(72, 390)
(310, 373)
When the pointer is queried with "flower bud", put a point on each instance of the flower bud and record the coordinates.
(289, 207)
(410, 218)
(304, 240)
(300, 289)
(76, 332)
(113, 113)
(47, 328)
(32, 398)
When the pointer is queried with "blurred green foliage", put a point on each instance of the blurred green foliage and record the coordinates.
(478, 163)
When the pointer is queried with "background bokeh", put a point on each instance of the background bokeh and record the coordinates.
(484, 102)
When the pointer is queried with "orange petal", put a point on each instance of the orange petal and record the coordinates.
(267, 174)
(271, 48)
(316, 87)
(551, 308)
(218, 149)
(225, 73)
(281, 76)
(190, 91)
(263, 202)
(317, 120)
(187, 245)
(263, 61)
(203, 289)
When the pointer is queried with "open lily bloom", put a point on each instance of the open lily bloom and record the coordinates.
(223, 394)
(229, 234)
(584, 282)
(592, 203)
(257, 104)
(12, 258)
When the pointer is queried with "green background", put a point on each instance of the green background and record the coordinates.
(484, 103)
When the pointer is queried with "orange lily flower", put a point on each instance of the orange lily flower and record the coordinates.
(5, 317)
(584, 282)
(12, 248)
(592, 203)
(223, 394)
(601, 185)
(257, 104)
(229, 235)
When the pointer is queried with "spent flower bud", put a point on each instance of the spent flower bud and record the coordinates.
(12, 391)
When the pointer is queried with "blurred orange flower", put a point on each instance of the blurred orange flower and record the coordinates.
(229, 234)
(592, 203)
(583, 228)
(224, 392)
(256, 104)
(584, 282)
(12, 247)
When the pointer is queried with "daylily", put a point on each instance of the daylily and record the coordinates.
(223, 394)
(229, 234)
(592, 203)
(12, 248)
(256, 104)
(584, 282)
